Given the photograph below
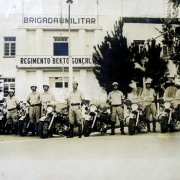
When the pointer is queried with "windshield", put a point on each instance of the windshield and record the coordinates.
(100, 104)
(135, 94)
(178, 94)
(170, 92)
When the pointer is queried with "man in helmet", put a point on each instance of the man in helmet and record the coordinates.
(75, 99)
(149, 95)
(34, 112)
(11, 104)
(46, 97)
(115, 99)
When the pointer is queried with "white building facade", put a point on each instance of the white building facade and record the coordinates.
(34, 37)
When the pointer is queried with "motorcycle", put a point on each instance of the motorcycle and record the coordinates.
(169, 109)
(97, 118)
(24, 121)
(54, 120)
(135, 118)
(3, 113)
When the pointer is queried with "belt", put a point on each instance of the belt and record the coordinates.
(116, 105)
(11, 109)
(33, 105)
(75, 104)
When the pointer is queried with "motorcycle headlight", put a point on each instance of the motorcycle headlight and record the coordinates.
(167, 105)
(134, 107)
(92, 108)
(49, 109)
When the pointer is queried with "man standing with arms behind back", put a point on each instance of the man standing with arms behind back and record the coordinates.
(11, 104)
(75, 99)
(149, 95)
(34, 112)
(115, 99)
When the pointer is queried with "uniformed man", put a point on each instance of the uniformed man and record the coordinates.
(46, 97)
(11, 104)
(75, 99)
(34, 111)
(149, 95)
(115, 99)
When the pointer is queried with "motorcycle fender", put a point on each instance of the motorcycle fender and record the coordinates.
(43, 118)
(164, 114)
(21, 118)
(87, 118)
(131, 116)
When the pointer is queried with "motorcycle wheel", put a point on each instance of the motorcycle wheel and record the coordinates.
(172, 125)
(43, 129)
(86, 129)
(2, 129)
(164, 126)
(131, 127)
(22, 128)
(104, 131)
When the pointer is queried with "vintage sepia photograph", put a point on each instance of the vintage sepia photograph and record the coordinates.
(89, 89)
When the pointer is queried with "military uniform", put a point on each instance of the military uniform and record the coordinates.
(11, 103)
(34, 110)
(115, 98)
(75, 99)
(149, 95)
(46, 98)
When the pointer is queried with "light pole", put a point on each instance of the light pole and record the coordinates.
(69, 49)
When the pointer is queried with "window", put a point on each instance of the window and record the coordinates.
(60, 46)
(9, 46)
(165, 50)
(140, 43)
(9, 83)
(58, 82)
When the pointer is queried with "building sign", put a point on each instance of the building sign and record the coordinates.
(30, 20)
(45, 61)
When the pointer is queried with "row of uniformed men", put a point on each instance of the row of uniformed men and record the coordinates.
(75, 99)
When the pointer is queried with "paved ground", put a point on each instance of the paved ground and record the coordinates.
(99, 157)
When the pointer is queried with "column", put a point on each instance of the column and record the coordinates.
(83, 82)
(21, 85)
(39, 41)
(82, 42)
(39, 80)
(22, 42)
(97, 37)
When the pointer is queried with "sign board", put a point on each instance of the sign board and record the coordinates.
(44, 61)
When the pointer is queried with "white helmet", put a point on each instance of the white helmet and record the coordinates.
(114, 83)
(46, 84)
(148, 81)
(33, 85)
(11, 90)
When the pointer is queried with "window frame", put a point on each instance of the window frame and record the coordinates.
(61, 40)
(10, 41)
(9, 82)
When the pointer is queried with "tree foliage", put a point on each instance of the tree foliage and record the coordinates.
(116, 62)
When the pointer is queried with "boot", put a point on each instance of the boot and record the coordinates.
(16, 129)
(122, 128)
(112, 128)
(37, 127)
(80, 130)
(154, 125)
(71, 131)
(33, 129)
(148, 126)
(8, 129)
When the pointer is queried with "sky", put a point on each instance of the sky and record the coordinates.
(136, 8)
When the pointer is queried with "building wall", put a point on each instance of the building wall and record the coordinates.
(36, 39)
